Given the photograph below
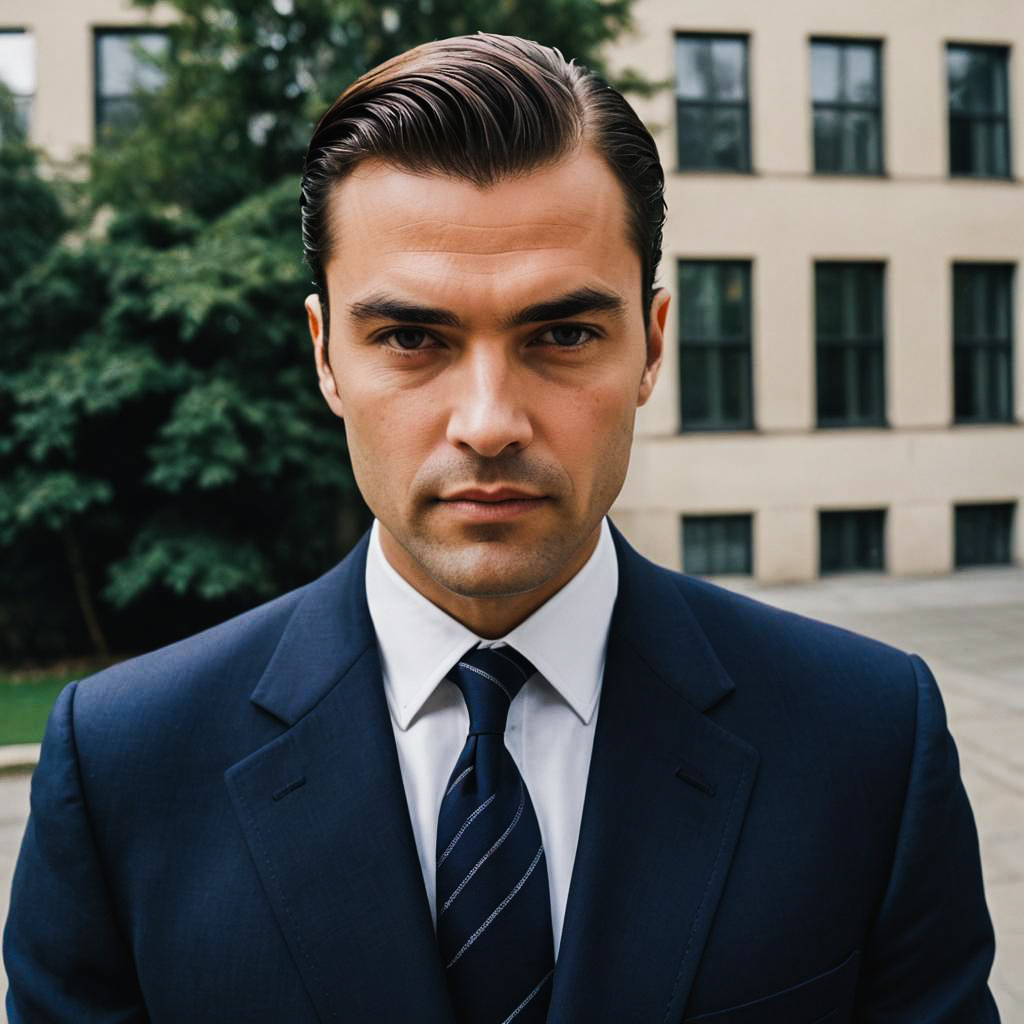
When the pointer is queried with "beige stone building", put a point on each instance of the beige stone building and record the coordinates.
(843, 387)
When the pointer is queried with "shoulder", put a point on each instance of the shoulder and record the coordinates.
(781, 658)
(235, 651)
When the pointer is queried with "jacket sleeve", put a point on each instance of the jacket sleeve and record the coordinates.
(931, 948)
(67, 961)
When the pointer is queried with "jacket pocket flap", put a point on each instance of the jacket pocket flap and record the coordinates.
(810, 1002)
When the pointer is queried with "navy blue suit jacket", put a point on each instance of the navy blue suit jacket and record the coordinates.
(774, 831)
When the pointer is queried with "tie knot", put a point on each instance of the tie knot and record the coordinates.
(489, 678)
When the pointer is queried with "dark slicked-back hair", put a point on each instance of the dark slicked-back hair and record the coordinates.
(482, 108)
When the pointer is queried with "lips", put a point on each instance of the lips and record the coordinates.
(492, 496)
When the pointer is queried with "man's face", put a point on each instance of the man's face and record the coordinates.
(487, 353)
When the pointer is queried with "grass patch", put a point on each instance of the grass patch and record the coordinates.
(25, 705)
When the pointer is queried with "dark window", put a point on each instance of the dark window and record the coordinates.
(717, 545)
(982, 342)
(979, 111)
(850, 344)
(983, 534)
(18, 72)
(846, 90)
(852, 541)
(714, 345)
(712, 107)
(127, 65)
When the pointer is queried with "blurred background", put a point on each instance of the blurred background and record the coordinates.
(839, 424)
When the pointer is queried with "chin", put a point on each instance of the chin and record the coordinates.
(480, 571)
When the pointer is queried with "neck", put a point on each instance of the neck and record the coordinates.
(487, 617)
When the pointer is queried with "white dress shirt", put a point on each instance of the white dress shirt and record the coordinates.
(550, 730)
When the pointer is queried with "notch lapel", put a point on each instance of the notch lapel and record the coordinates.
(324, 813)
(666, 796)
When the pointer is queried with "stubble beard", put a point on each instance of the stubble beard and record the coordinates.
(494, 563)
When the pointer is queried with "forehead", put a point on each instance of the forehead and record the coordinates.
(567, 218)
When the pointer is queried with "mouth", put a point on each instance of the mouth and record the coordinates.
(491, 505)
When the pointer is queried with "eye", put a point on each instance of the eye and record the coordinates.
(568, 335)
(408, 338)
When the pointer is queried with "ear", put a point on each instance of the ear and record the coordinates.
(655, 344)
(328, 385)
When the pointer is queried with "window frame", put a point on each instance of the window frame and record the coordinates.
(722, 520)
(993, 508)
(24, 102)
(717, 345)
(985, 344)
(106, 31)
(746, 159)
(1006, 118)
(842, 107)
(850, 345)
(851, 521)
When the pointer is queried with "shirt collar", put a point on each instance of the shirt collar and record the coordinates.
(565, 638)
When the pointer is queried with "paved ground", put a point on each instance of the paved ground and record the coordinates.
(970, 629)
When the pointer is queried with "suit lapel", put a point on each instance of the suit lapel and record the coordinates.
(666, 796)
(324, 813)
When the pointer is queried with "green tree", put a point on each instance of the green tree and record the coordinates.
(165, 458)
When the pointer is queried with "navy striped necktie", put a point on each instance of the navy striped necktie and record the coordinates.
(493, 907)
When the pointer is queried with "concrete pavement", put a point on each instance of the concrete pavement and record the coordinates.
(969, 627)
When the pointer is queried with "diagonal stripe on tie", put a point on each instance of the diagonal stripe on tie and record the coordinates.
(494, 910)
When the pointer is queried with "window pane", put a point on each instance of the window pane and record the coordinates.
(864, 301)
(862, 144)
(825, 82)
(999, 383)
(998, 156)
(828, 151)
(995, 306)
(984, 87)
(727, 149)
(711, 91)
(957, 65)
(831, 382)
(694, 392)
(693, 68)
(960, 146)
(714, 545)
(869, 385)
(852, 541)
(125, 62)
(728, 60)
(850, 349)
(733, 298)
(736, 385)
(693, 134)
(984, 534)
(861, 74)
(828, 301)
(698, 301)
(982, 342)
(18, 62)
(979, 129)
(714, 339)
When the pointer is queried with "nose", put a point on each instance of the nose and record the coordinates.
(488, 414)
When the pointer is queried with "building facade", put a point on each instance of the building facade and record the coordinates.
(842, 386)
(73, 67)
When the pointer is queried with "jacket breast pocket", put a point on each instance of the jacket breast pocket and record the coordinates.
(824, 999)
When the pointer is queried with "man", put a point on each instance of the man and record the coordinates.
(496, 766)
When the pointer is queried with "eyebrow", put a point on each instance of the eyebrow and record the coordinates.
(563, 307)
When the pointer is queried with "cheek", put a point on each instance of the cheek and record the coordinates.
(591, 429)
(388, 433)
